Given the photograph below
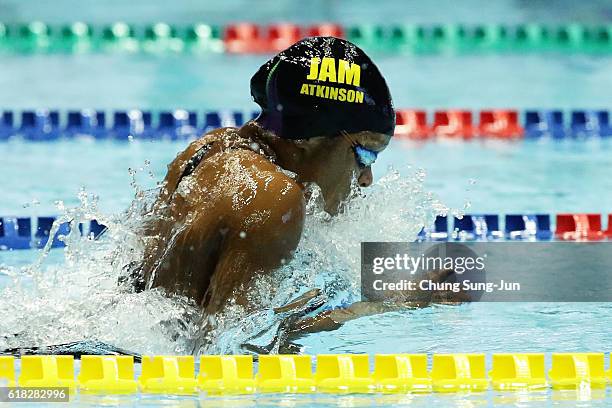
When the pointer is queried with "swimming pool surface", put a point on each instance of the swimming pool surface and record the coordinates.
(570, 174)
(72, 293)
(493, 176)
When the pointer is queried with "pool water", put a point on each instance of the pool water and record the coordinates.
(216, 81)
(71, 294)
(492, 176)
(534, 399)
(342, 11)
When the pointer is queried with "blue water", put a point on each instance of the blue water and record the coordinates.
(493, 177)
(344, 11)
(214, 81)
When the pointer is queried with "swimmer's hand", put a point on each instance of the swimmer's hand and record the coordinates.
(333, 319)
(296, 324)
(310, 300)
(288, 314)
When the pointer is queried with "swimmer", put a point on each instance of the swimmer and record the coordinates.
(232, 205)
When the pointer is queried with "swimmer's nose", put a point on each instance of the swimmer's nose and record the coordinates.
(365, 178)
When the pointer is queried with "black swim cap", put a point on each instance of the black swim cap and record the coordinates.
(320, 86)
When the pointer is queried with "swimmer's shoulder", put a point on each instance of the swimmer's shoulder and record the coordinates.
(271, 195)
(206, 139)
(230, 145)
(175, 168)
(274, 215)
(273, 184)
(234, 157)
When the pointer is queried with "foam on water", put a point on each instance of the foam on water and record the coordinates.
(77, 299)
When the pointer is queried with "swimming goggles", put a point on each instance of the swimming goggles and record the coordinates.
(365, 157)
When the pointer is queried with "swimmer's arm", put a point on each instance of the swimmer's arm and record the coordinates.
(332, 319)
(258, 248)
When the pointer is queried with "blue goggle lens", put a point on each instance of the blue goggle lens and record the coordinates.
(365, 157)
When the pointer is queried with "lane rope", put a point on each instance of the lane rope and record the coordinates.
(334, 373)
(415, 124)
(247, 37)
(33, 232)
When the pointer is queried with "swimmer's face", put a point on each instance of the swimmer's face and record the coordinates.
(334, 164)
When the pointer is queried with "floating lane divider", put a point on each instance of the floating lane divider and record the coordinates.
(247, 37)
(530, 227)
(162, 373)
(502, 124)
(411, 124)
(334, 373)
(28, 233)
(107, 373)
(49, 125)
(79, 37)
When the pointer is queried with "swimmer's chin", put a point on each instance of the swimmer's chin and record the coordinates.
(337, 208)
(332, 204)
(334, 210)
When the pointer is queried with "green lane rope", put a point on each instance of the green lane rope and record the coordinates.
(398, 39)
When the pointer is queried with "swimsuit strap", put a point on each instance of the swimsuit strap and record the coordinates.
(232, 140)
(194, 161)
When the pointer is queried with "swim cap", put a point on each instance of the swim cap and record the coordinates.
(320, 86)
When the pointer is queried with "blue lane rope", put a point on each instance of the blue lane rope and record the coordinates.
(28, 233)
(123, 125)
(49, 125)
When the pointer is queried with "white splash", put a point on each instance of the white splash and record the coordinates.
(78, 298)
(328, 257)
